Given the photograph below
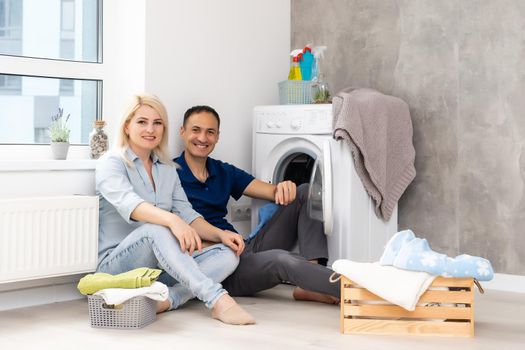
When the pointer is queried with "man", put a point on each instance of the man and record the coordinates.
(266, 260)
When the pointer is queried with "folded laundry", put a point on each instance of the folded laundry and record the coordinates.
(137, 278)
(400, 287)
(113, 296)
(406, 251)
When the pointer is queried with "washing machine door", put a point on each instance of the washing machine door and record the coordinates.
(320, 193)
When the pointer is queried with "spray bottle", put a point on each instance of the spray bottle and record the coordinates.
(295, 70)
(318, 52)
(321, 92)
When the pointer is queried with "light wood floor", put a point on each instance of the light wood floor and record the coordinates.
(282, 323)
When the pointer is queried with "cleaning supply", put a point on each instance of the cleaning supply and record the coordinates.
(321, 91)
(318, 52)
(306, 63)
(295, 70)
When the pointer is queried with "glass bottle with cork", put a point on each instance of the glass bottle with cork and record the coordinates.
(98, 140)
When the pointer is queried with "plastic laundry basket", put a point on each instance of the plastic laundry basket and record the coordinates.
(133, 314)
(295, 92)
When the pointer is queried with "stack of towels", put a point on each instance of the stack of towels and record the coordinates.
(407, 268)
(117, 289)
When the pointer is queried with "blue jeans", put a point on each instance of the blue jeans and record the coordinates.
(155, 246)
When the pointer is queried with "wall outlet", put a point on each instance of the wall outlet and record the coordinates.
(241, 212)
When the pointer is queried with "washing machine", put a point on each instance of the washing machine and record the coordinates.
(294, 142)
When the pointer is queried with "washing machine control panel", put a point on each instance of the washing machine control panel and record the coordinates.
(300, 119)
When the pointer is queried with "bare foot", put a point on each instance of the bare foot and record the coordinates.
(228, 311)
(163, 306)
(306, 295)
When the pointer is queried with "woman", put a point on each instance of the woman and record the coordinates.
(147, 221)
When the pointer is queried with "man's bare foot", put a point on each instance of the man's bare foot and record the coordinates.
(228, 311)
(306, 295)
(163, 306)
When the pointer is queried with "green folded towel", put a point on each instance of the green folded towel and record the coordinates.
(141, 277)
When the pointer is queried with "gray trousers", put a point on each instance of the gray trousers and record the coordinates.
(267, 260)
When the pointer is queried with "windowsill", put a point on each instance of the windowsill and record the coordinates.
(47, 164)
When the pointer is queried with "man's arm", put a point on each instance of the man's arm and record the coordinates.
(283, 193)
(208, 232)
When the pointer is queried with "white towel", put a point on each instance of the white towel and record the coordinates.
(114, 296)
(400, 287)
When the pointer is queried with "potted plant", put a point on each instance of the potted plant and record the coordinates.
(59, 133)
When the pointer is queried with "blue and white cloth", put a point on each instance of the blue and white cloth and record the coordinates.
(405, 251)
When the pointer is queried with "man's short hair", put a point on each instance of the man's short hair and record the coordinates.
(200, 109)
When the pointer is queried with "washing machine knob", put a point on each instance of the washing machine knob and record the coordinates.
(296, 124)
(278, 124)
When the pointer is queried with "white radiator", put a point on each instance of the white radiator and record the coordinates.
(47, 237)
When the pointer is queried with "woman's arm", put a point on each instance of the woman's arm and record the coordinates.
(188, 238)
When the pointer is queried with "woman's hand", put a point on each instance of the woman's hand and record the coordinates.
(285, 192)
(188, 238)
(233, 240)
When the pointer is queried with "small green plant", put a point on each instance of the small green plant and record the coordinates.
(58, 130)
(322, 96)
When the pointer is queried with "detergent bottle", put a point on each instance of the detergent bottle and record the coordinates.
(295, 70)
(306, 63)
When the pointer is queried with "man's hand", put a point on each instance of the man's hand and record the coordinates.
(233, 240)
(188, 238)
(285, 192)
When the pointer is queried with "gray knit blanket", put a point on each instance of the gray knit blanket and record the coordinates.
(378, 129)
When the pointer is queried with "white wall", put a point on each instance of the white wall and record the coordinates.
(228, 54)
(123, 56)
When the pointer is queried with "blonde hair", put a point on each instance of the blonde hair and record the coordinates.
(122, 141)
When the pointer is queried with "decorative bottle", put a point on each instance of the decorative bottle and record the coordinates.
(98, 140)
(321, 91)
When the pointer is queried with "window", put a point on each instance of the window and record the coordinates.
(36, 37)
(10, 84)
(27, 115)
(11, 26)
(56, 29)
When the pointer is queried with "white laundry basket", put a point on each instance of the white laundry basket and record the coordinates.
(135, 313)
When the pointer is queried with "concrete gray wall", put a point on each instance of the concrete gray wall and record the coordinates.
(460, 65)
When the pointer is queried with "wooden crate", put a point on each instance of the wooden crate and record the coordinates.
(365, 313)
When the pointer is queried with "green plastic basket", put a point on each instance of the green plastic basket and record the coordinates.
(295, 92)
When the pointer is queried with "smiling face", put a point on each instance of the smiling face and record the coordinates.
(145, 130)
(200, 133)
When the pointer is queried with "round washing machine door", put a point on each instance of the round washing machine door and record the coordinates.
(305, 161)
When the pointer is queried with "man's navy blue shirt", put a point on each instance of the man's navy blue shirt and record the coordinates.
(210, 198)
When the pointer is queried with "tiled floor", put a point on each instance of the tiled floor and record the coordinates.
(282, 323)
